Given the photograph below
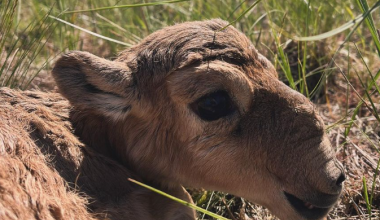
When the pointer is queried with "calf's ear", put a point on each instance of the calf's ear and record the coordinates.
(95, 84)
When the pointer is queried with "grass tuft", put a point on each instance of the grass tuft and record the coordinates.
(19, 50)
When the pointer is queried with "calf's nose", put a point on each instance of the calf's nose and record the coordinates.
(337, 182)
(340, 180)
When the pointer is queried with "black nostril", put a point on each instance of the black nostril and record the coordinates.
(340, 180)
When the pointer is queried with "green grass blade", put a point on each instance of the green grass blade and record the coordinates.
(178, 200)
(371, 84)
(236, 8)
(262, 17)
(312, 73)
(368, 70)
(304, 58)
(355, 113)
(370, 24)
(208, 203)
(241, 15)
(90, 32)
(357, 20)
(365, 191)
(7, 16)
(373, 109)
(126, 6)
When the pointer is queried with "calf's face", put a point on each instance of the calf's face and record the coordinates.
(201, 107)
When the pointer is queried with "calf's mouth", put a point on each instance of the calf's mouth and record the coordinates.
(311, 210)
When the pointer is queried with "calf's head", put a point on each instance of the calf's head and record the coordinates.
(196, 106)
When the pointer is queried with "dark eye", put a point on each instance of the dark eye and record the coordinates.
(213, 106)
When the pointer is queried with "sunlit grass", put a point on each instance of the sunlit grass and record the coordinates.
(20, 50)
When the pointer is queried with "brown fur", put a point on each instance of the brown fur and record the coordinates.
(47, 173)
(135, 113)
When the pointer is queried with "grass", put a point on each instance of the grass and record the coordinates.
(327, 50)
(19, 51)
(204, 211)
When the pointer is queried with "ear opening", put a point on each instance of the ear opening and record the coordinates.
(96, 84)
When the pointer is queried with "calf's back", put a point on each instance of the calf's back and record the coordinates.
(47, 173)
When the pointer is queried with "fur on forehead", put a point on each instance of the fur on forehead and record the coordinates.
(185, 44)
